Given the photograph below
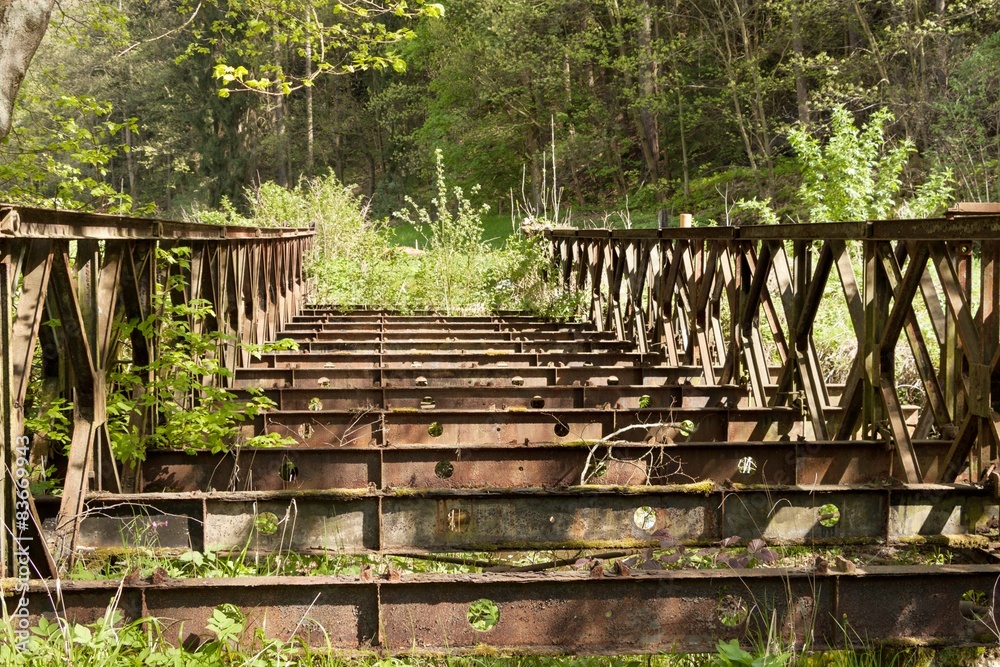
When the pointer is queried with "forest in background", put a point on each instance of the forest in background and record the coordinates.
(684, 105)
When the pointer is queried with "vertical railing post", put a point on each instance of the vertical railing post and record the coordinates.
(987, 383)
(8, 497)
(876, 301)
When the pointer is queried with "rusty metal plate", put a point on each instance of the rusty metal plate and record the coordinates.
(485, 523)
(468, 428)
(569, 614)
(300, 524)
(629, 397)
(403, 520)
(323, 429)
(455, 375)
(565, 612)
(313, 355)
(277, 469)
(343, 615)
(456, 336)
(309, 343)
(443, 467)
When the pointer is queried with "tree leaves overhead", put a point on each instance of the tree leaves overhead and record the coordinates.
(337, 37)
(684, 105)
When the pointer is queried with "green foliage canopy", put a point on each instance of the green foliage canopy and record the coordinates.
(335, 36)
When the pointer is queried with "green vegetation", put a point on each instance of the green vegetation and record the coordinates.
(461, 266)
(496, 230)
(177, 399)
(180, 389)
(631, 106)
(112, 642)
(856, 174)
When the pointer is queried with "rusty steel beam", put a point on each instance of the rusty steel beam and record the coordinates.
(43, 223)
(569, 612)
(528, 375)
(364, 371)
(315, 356)
(457, 335)
(460, 428)
(504, 397)
(357, 313)
(407, 520)
(394, 326)
(539, 466)
(971, 227)
(416, 346)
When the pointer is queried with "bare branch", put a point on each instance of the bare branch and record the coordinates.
(166, 34)
(611, 437)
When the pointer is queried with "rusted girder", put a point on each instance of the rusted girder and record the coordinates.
(313, 355)
(538, 466)
(687, 610)
(406, 519)
(461, 428)
(367, 374)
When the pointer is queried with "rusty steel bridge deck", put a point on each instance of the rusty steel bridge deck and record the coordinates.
(693, 406)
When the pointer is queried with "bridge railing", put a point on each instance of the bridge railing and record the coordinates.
(747, 305)
(92, 272)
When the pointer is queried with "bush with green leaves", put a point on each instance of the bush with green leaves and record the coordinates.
(181, 390)
(452, 271)
(61, 158)
(111, 641)
(857, 174)
(730, 654)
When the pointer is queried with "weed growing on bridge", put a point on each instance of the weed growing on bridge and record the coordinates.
(180, 393)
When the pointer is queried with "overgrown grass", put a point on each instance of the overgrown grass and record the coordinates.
(113, 641)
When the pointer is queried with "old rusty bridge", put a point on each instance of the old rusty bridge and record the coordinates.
(692, 407)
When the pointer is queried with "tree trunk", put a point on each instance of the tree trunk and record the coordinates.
(338, 165)
(22, 26)
(801, 91)
(130, 164)
(645, 120)
(684, 152)
(279, 128)
(534, 146)
(370, 185)
(310, 152)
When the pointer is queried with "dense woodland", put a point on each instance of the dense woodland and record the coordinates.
(684, 104)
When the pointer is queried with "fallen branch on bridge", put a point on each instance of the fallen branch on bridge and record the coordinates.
(685, 428)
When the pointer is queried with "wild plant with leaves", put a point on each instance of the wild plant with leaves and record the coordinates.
(856, 174)
(180, 392)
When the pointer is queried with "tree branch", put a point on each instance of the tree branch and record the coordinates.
(166, 34)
